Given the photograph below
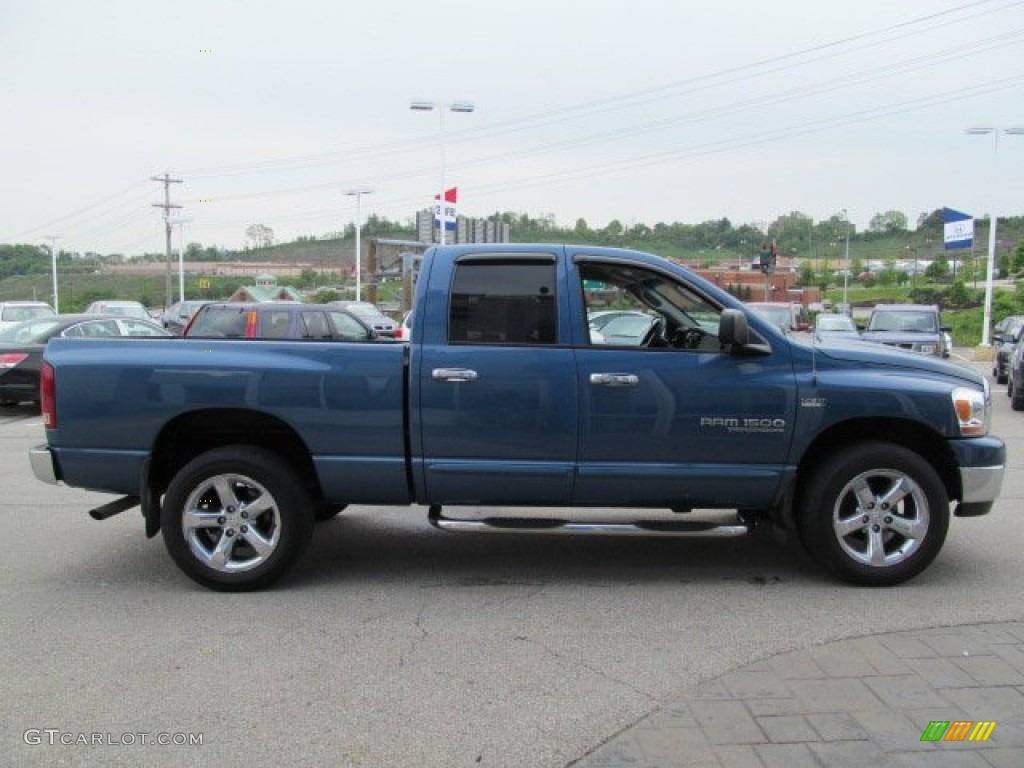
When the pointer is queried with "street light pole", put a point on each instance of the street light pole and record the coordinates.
(53, 264)
(181, 222)
(441, 107)
(984, 130)
(846, 271)
(358, 195)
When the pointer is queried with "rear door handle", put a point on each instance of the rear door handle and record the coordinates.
(614, 379)
(454, 375)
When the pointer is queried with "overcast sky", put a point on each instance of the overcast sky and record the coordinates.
(645, 111)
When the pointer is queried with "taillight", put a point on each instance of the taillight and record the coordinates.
(47, 395)
(250, 325)
(11, 359)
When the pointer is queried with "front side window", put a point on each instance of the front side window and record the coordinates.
(503, 302)
(348, 328)
(630, 306)
(314, 325)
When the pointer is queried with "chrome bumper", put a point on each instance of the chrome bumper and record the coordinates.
(43, 466)
(981, 484)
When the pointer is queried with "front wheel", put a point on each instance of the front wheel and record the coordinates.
(1016, 397)
(236, 518)
(873, 513)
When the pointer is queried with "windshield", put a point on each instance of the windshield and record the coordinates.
(20, 312)
(903, 321)
(30, 331)
(835, 323)
(778, 315)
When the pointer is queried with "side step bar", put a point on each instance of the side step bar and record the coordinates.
(114, 508)
(691, 528)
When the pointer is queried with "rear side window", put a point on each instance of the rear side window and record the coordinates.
(503, 302)
(227, 322)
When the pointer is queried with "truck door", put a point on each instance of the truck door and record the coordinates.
(669, 418)
(497, 402)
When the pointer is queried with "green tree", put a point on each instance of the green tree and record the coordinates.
(1017, 264)
(958, 296)
(890, 221)
(938, 271)
(807, 275)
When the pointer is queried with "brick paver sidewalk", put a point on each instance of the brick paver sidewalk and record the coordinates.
(863, 702)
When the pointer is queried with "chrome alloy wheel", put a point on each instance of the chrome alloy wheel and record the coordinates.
(881, 517)
(231, 523)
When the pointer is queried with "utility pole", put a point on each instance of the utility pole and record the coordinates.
(168, 225)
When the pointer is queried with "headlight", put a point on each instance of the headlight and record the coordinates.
(973, 411)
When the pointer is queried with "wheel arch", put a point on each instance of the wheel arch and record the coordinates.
(191, 434)
(911, 435)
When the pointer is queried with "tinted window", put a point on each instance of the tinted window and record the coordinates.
(503, 302)
(314, 325)
(220, 321)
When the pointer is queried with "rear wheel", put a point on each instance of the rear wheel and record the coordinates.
(873, 513)
(236, 518)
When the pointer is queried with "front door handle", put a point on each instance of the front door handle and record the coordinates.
(614, 379)
(454, 375)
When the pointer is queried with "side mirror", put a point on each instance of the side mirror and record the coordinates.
(732, 328)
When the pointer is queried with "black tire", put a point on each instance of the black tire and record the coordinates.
(1016, 398)
(888, 532)
(247, 540)
(328, 511)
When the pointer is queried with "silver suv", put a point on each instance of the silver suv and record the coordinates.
(913, 327)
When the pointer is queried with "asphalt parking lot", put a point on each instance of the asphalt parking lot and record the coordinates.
(394, 644)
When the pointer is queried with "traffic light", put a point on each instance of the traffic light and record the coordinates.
(769, 256)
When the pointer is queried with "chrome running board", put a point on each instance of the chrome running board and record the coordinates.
(680, 528)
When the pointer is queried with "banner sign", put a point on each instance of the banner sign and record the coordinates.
(450, 212)
(958, 229)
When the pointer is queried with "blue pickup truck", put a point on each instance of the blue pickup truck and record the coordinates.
(506, 397)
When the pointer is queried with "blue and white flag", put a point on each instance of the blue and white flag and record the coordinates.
(958, 229)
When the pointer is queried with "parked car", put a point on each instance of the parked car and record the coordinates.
(122, 308)
(829, 325)
(1005, 335)
(12, 312)
(369, 314)
(1015, 376)
(176, 316)
(913, 327)
(22, 345)
(788, 315)
(404, 331)
(278, 320)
